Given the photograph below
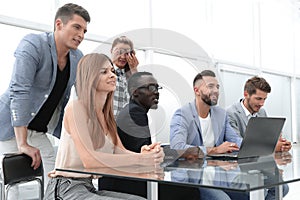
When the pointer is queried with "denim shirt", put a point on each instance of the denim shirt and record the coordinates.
(32, 80)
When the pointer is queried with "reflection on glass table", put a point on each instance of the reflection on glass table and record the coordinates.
(250, 175)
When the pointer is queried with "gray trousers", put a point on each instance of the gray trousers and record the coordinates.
(60, 188)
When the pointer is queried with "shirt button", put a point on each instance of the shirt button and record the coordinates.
(46, 96)
(32, 114)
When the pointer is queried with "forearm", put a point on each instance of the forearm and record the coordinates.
(100, 159)
(138, 171)
(95, 159)
(122, 150)
(24, 147)
(133, 70)
(21, 136)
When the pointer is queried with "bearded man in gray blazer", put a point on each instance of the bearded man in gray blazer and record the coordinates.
(202, 124)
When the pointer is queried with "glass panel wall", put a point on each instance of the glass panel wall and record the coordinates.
(233, 35)
(30, 10)
(110, 18)
(10, 38)
(278, 102)
(254, 36)
(277, 40)
(233, 84)
(297, 104)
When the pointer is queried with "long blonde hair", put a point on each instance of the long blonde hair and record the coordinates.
(87, 77)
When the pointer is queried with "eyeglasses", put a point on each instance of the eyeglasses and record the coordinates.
(123, 51)
(151, 87)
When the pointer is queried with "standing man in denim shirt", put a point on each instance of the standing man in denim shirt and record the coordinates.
(44, 71)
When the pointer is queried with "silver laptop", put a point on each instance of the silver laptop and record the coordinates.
(261, 136)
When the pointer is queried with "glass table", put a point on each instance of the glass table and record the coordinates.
(251, 175)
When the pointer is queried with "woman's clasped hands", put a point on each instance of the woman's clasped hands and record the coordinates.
(152, 154)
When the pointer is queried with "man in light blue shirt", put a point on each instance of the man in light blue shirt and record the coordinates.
(44, 72)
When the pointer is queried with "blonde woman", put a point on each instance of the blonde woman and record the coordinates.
(89, 138)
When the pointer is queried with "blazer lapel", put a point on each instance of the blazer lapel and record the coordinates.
(217, 126)
(73, 67)
(242, 114)
(196, 121)
(52, 47)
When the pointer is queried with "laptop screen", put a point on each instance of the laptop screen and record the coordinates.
(261, 136)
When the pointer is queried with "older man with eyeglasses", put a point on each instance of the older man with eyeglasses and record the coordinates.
(132, 121)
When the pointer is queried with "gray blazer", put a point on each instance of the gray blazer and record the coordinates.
(32, 80)
(185, 128)
(238, 119)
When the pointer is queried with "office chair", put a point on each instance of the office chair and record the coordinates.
(16, 168)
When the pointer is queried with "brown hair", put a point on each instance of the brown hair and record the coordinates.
(66, 12)
(124, 40)
(87, 77)
(255, 83)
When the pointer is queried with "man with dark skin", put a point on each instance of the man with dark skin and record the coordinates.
(133, 130)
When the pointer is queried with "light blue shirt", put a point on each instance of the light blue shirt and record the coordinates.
(32, 80)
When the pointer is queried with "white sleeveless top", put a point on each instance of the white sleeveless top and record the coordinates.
(68, 157)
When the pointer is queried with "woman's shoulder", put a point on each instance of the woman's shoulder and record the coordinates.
(75, 112)
(75, 106)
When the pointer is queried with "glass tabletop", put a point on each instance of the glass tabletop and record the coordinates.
(238, 175)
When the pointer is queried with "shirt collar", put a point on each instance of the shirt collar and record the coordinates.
(248, 114)
(119, 71)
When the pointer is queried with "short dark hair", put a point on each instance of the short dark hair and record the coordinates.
(255, 83)
(135, 81)
(203, 73)
(66, 12)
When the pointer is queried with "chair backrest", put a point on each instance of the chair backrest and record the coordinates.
(17, 167)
